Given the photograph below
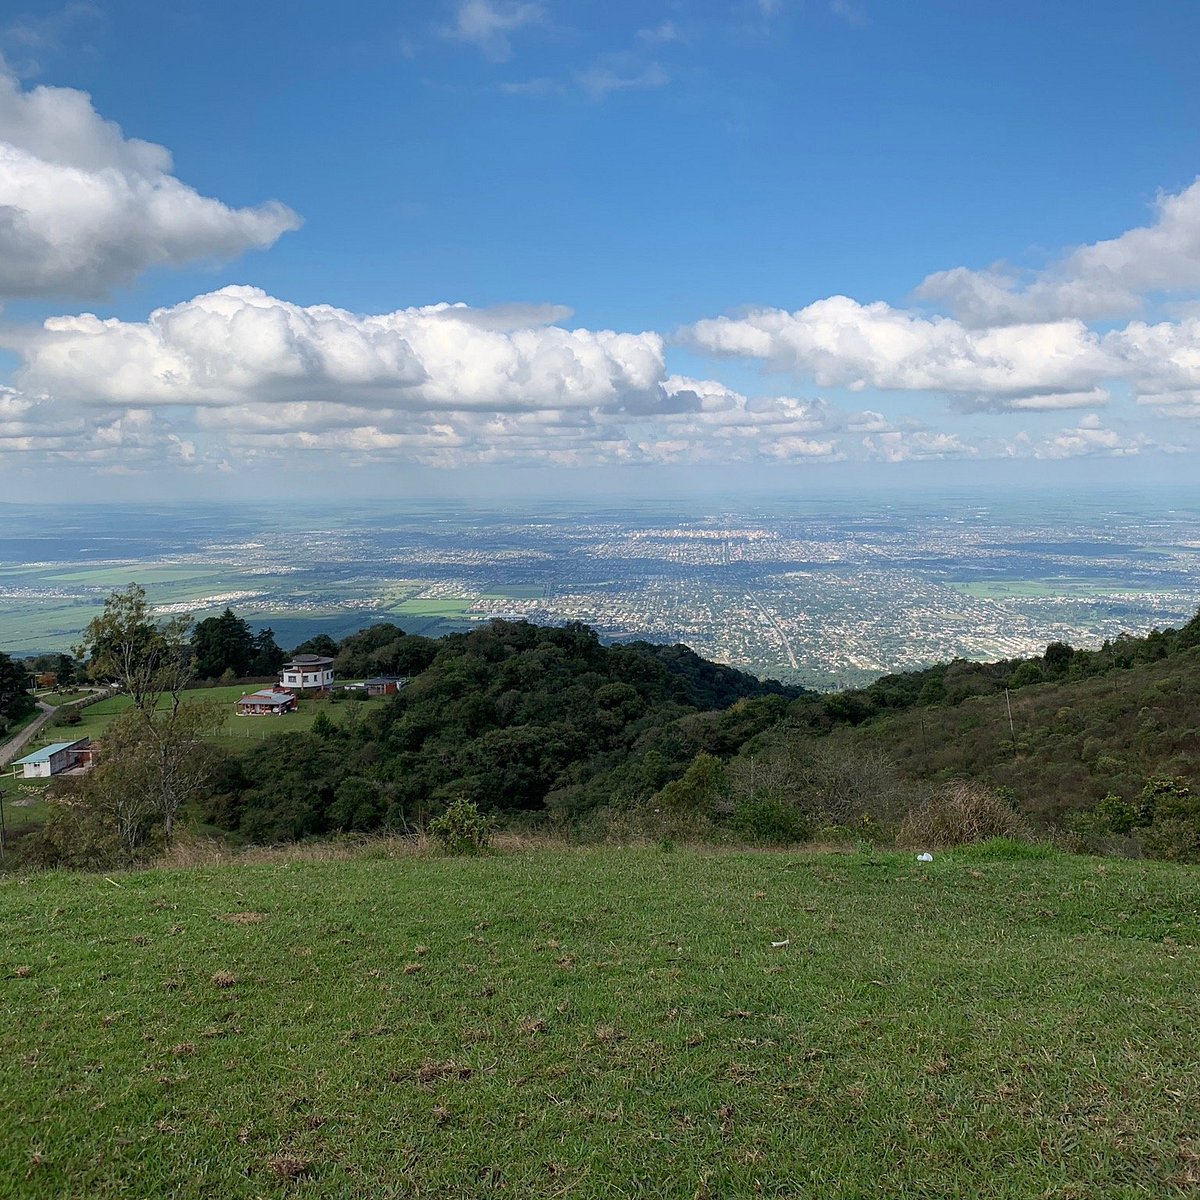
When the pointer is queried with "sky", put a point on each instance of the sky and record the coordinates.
(498, 247)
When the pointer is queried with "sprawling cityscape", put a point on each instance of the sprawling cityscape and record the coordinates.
(826, 593)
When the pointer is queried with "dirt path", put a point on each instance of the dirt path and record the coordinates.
(10, 749)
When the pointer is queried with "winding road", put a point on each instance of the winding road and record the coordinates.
(10, 749)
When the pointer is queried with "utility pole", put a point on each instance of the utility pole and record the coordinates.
(1011, 727)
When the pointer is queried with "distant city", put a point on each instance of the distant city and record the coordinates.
(826, 592)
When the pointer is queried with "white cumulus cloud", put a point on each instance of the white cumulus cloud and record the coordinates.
(240, 345)
(84, 208)
(840, 342)
(1103, 279)
(36, 427)
(1159, 359)
(486, 24)
(1090, 438)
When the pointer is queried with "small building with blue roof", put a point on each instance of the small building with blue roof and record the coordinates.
(50, 760)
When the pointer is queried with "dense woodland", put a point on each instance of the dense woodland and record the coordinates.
(548, 727)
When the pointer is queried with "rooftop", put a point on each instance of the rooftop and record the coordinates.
(47, 752)
(268, 696)
(308, 660)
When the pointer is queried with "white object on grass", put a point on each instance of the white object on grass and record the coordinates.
(780, 945)
(926, 857)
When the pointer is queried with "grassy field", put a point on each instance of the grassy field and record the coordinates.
(612, 1023)
(235, 733)
(1026, 589)
(23, 804)
(70, 696)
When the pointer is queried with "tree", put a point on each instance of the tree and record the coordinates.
(268, 657)
(1189, 635)
(155, 753)
(222, 644)
(125, 646)
(15, 700)
(1058, 656)
(178, 761)
(151, 766)
(1027, 673)
(322, 644)
(66, 670)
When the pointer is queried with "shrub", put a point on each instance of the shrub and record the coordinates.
(1090, 832)
(76, 836)
(702, 789)
(1176, 839)
(960, 814)
(462, 828)
(1166, 796)
(1174, 820)
(1117, 814)
(770, 821)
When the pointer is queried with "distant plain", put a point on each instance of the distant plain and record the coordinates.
(822, 591)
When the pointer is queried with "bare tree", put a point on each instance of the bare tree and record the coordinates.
(833, 783)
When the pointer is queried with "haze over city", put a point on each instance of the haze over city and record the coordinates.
(482, 247)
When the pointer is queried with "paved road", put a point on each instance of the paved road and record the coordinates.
(10, 749)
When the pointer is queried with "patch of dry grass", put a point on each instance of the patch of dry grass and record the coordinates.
(961, 814)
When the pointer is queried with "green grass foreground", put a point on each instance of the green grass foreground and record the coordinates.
(606, 1022)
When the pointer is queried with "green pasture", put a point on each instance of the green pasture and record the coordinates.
(23, 803)
(236, 733)
(604, 1023)
(46, 625)
(453, 606)
(149, 575)
(58, 699)
(433, 617)
(1035, 589)
(296, 605)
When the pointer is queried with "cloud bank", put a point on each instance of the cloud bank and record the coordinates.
(238, 375)
(241, 346)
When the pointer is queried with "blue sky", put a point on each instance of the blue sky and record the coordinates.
(482, 246)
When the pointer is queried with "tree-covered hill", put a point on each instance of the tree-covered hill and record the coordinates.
(538, 725)
(510, 716)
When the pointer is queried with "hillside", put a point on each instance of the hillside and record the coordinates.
(1076, 741)
(600, 1023)
(513, 717)
(541, 726)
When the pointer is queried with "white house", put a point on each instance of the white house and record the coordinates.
(50, 760)
(308, 672)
